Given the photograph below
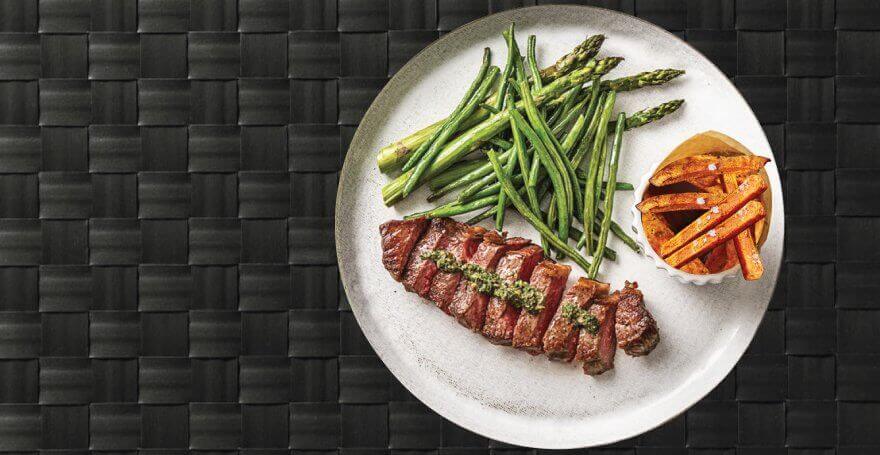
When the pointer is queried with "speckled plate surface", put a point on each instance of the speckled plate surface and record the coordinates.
(506, 394)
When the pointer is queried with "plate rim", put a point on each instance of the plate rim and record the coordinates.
(437, 405)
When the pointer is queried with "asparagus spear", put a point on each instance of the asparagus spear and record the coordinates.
(637, 81)
(455, 172)
(581, 53)
(467, 141)
(653, 114)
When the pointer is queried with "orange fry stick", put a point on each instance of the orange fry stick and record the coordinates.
(721, 258)
(744, 244)
(751, 188)
(657, 231)
(675, 202)
(687, 169)
(706, 184)
(748, 215)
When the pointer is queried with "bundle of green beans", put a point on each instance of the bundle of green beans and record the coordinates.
(542, 139)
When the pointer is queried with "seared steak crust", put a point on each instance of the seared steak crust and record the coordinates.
(637, 332)
(469, 306)
(462, 243)
(550, 278)
(420, 272)
(560, 340)
(501, 316)
(597, 350)
(398, 239)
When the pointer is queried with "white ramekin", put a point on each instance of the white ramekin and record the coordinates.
(684, 277)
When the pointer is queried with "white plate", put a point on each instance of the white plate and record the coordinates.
(506, 394)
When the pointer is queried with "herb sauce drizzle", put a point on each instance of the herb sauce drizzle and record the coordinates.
(519, 293)
(581, 318)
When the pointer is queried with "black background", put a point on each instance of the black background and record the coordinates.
(167, 181)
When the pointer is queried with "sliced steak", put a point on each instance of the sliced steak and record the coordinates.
(637, 332)
(597, 350)
(468, 305)
(462, 243)
(560, 340)
(501, 316)
(420, 272)
(550, 278)
(398, 239)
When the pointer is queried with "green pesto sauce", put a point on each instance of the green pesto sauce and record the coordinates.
(519, 293)
(580, 317)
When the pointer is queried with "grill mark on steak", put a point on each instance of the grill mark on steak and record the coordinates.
(462, 243)
(419, 272)
(550, 278)
(501, 316)
(637, 332)
(597, 350)
(561, 338)
(398, 239)
(468, 305)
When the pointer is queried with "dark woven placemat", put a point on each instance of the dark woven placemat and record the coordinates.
(167, 179)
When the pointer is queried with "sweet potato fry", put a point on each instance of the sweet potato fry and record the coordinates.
(744, 243)
(706, 184)
(674, 202)
(721, 258)
(746, 216)
(657, 231)
(692, 167)
(751, 188)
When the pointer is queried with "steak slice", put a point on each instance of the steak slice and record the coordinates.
(550, 278)
(501, 316)
(637, 332)
(462, 243)
(468, 305)
(398, 239)
(561, 338)
(596, 350)
(419, 272)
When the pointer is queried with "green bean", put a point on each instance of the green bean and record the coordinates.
(596, 99)
(454, 208)
(423, 148)
(499, 214)
(447, 131)
(568, 102)
(497, 141)
(521, 159)
(532, 218)
(489, 108)
(556, 176)
(512, 55)
(537, 84)
(564, 187)
(471, 177)
(609, 190)
(473, 180)
(593, 170)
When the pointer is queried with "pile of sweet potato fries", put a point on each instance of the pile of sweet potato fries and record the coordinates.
(727, 195)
